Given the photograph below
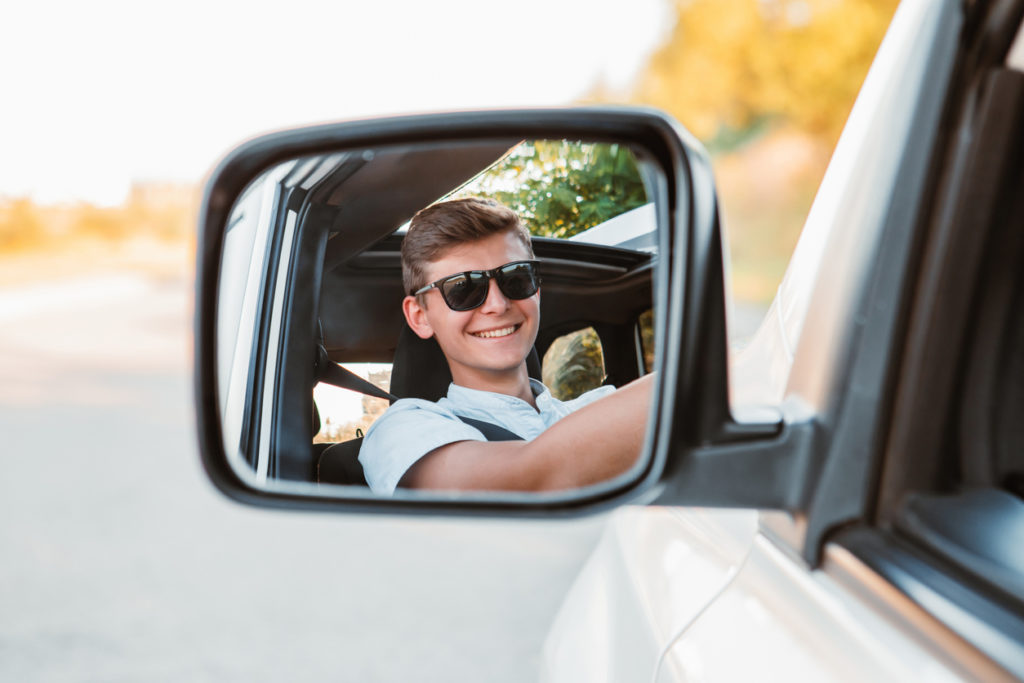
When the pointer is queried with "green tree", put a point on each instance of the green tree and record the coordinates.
(560, 187)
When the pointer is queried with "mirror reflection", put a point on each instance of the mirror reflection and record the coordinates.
(471, 316)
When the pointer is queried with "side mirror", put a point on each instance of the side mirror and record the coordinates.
(299, 293)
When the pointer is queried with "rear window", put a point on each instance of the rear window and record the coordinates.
(346, 414)
(574, 364)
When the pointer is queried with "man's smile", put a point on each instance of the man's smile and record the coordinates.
(496, 332)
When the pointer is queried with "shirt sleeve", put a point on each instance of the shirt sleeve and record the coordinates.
(407, 431)
(589, 397)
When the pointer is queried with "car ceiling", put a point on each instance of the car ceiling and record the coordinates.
(374, 192)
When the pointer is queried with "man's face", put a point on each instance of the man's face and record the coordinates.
(488, 344)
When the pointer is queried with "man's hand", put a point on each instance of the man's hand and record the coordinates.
(593, 444)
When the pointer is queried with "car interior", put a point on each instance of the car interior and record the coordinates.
(349, 210)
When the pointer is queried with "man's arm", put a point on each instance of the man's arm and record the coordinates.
(595, 443)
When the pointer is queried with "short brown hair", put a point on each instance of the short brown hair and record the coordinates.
(444, 225)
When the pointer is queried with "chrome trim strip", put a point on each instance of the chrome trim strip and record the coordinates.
(896, 607)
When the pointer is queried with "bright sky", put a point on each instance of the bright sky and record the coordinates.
(97, 94)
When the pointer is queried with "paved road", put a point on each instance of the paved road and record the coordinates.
(119, 562)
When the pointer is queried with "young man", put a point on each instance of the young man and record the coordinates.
(486, 325)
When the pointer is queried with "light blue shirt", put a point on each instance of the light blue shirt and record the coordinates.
(412, 427)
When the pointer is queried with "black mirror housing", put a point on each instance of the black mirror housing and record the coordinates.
(690, 406)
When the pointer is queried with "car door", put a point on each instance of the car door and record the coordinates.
(869, 583)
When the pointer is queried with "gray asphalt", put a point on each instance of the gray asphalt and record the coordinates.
(120, 562)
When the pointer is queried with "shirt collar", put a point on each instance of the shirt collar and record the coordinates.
(462, 394)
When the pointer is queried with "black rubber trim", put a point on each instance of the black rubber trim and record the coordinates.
(981, 532)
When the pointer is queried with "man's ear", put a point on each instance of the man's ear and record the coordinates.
(416, 316)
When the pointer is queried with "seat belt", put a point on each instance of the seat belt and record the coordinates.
(493, 432)
(327, 371)
(339, 464)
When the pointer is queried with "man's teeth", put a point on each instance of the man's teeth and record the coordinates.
(503, 332)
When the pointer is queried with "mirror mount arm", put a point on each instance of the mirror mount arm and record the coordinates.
(765, 466)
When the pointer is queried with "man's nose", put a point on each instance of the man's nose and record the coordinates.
(496, 301)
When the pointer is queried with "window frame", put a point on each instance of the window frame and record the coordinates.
(912, 534)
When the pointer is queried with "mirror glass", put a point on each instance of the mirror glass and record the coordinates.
(314, 339)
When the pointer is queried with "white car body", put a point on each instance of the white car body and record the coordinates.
(673, 594)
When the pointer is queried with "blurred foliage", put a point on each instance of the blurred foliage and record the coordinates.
(21, 225)
(573, 364)
(767, 86)
(161, 211)
(561, 188)
(730, 65)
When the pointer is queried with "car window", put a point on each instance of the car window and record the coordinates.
(590, 192)
(645, 337)
(346, 414)
(245, 252)
(574, 364)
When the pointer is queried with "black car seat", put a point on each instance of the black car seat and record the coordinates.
(318, 448)
(419, 371)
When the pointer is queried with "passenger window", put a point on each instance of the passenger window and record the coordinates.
(645, 330)
(573, 364)
(345, 414)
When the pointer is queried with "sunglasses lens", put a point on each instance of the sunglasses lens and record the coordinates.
(462, 292)
(466, 291)
(518, 280)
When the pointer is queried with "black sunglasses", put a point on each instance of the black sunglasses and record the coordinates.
(468, 290)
